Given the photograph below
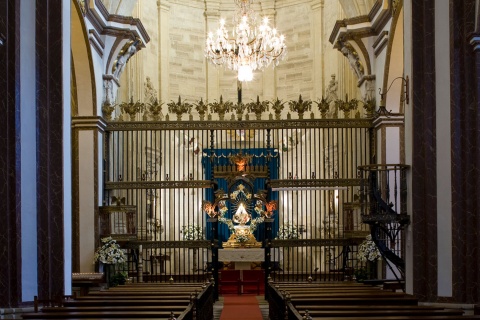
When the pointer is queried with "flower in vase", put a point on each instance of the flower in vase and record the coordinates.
(109, 253)
(192, 232)
(368, 251)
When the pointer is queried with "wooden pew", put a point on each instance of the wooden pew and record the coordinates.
(126, 302)
(406, 317)
(135, 304)
(110, 314)
(341, 302)
(151, 308)
(375, 313)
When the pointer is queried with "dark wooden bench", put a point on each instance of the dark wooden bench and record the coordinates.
(406, 317)
(181, 317)
(357, 301)
(111, 314)
(85, 281)
(126, 302)
(132, 293)
(375, 313)
(346, 294)
(38, 303)
(116, 308)
(142, 296)
(135, 303)
(342, 302)
(394, 285)
(283, 299)
(312, 307)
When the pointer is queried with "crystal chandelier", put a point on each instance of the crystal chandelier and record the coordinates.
(249, 46)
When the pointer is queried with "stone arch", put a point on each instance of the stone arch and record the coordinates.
(83, 77)
(394, 64)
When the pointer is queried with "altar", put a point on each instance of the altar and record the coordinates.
(242, 257)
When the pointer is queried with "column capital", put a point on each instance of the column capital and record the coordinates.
(212, 6)
(475, 41)
(92, 123)
(163, 5)
(317, 4)
(211, 14)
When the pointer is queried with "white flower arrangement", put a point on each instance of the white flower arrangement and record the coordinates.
(287, 231)
(368, 251)
(241, 238)
(109, 252)
(255, 222)
(228, 222)
(192, 232)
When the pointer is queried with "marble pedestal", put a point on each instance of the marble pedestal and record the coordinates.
(242, 257)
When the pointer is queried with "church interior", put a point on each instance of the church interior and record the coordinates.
(240, 144)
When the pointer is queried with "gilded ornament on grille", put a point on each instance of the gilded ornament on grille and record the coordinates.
(301, 106)
(277, 106)
(201, 108)
(155, 109)
(239, 109)
(179, 108)
(131, 108)
(221, 108)
(258, 107)
(323, 106)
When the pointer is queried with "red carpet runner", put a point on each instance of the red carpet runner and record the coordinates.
(243, 307)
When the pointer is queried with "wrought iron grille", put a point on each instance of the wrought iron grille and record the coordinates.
(166, 169)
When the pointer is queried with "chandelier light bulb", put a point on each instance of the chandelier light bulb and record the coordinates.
(251, 47)
(245, 73)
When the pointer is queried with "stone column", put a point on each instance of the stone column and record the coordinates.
(10, 218)
(318, 55)
(49, 197)
(424, 177)
(164, 49)
(268, 75)
(87, 137)
(212, 16)
(465, 132)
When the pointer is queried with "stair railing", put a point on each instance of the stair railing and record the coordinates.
(383, 201)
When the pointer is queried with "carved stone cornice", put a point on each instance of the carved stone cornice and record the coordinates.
(380, 43)
(95, 40)
(113, 185)
(475, 41)
(89, 123)
(362, 26)
(100, 19)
